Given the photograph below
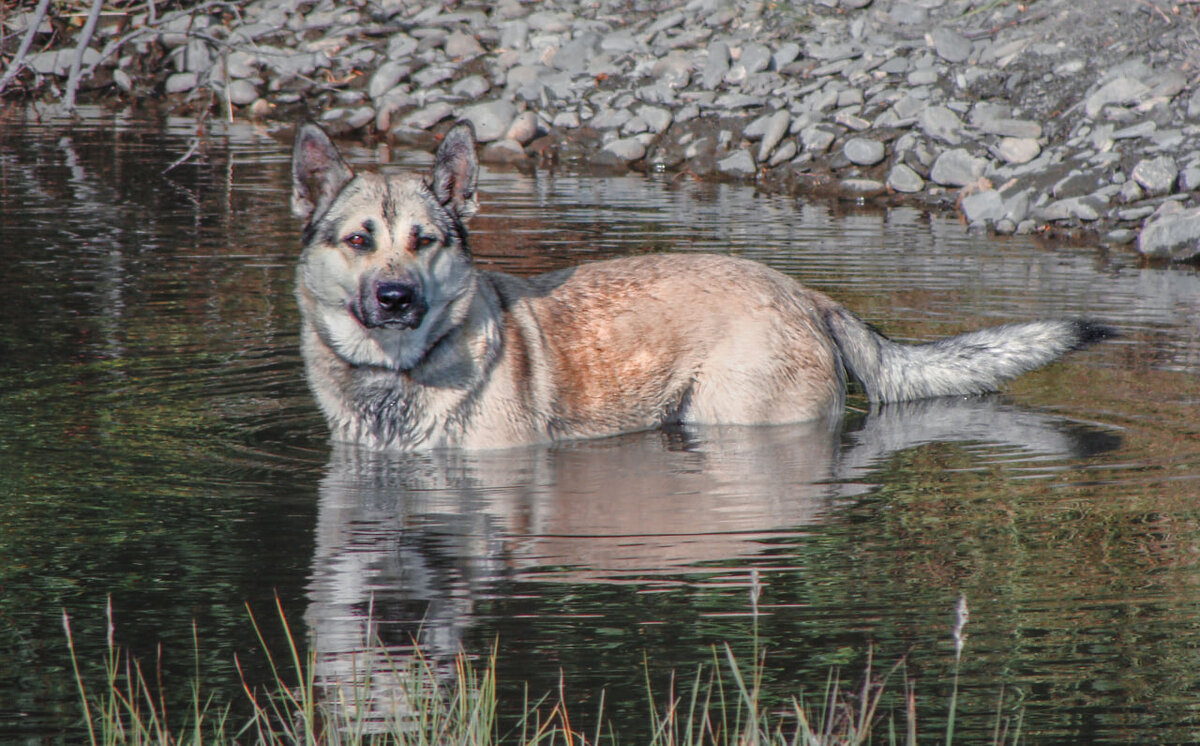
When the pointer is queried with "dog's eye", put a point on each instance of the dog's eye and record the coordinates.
(425, 240)
(358, 240)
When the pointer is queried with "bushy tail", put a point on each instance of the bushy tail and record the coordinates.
(971, 363)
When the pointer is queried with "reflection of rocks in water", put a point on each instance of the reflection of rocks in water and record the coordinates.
(412, 541)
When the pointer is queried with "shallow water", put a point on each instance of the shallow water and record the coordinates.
(158, 446)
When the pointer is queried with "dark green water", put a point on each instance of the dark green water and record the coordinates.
(158, 447)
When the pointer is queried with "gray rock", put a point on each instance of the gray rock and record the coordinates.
(471, 87)
(1005, 127)
(423, 119)
(777, 127)
(1131, 191)
(666, 22)
(756, 129)
(957, 167)
(620, 42)
(566, 120)
(674, 70)
(852, 121)
(940, 123)
(816, 138)
(611, 119)
(491, 119)
(657, 118)
(359, 117)
(462, 46)
(1193, 106)
(401, 46)
(523, 128)
(548, 22)
(740, 163)
(241, 64)
(242, 92)
(1135, 131)
(1189, 179)
(755, 57)
(908, 13)
(716, 66)
(430, 76)
(387, 77)
(635, 126)
(123, 80)
(627, 150)
(909, 106)
(1175, 236)
(1078, 208)
(863, 151)
(1121, 90)
(1017, 149)
(903, 179)
(785, 55)
(574, 56)
(49, 63)
(514, 35)
(832, 51)
(785, 152)
(983, 207)
(860, 188)
(951, 45)
(1016, 207)
(1156, 175)
(181, 82)
(922, 77)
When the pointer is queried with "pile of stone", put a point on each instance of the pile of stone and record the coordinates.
(1056, 115)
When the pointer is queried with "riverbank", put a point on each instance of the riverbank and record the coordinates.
(1067, 117)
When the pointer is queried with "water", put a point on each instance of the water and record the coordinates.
(158, 446)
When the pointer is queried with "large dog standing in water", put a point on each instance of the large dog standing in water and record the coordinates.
(409, 345)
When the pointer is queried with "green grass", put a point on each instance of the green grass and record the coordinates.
(721, 705)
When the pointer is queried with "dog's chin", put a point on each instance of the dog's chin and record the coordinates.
(388, 347)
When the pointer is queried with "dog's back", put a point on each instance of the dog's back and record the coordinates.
(641, 341)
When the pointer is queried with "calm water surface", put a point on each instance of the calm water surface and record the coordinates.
(158, 446)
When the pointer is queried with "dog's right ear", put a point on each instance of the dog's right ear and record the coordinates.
(318, 172)
(456, 170)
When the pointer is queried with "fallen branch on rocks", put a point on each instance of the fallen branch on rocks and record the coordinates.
(18, 60)
(85, 38)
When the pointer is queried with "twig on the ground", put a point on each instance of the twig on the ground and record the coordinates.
(14, 67)
(85, 38)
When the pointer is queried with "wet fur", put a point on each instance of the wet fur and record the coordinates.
(599, 349)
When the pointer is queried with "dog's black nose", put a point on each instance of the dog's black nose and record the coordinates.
(400, 303)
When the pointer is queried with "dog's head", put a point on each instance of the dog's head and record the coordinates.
(385, 273)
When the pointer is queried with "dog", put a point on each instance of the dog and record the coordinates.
(407, 345)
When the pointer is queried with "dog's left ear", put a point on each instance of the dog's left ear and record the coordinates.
(455, 171)
(318, 172)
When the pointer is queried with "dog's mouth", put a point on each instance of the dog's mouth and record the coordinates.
(391, 304)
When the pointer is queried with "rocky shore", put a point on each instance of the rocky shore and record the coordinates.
(1059, 116)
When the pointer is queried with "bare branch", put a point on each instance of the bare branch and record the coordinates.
(17, 61)
(85, 38)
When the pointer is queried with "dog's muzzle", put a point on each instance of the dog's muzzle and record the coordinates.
(394, 304)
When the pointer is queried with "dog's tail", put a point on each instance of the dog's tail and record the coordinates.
(971, 363)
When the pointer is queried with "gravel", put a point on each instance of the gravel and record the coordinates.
(1065, 116)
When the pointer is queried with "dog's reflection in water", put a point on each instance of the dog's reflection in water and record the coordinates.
(406, 543)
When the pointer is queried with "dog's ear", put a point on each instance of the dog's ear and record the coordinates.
(318, 172)
(455, 171)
